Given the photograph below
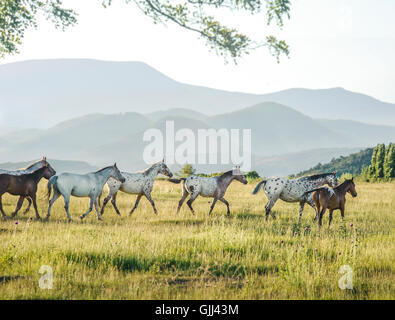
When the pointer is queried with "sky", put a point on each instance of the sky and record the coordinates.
(333, 43)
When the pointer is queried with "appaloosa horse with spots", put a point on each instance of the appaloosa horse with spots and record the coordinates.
(332, 199)
(294, 190)
(81, 185)
(140, 183)
(25, 186)
(213, 187)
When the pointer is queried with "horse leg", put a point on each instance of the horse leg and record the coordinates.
(184, 196)
(28, 206)
(342, 212)
(33, 197)
(1, 208)
(18, 206)
(269, 207)
(311, 203)
(114, 203)
(191, 200)
(148, 196)
(227, 205)
(66, 207)
(89, 210)
(56, 195)
(136, 204)
(112, 193)
(97, 208)
(213, 205)
(301, 204)
(321, 215)
(330, 216)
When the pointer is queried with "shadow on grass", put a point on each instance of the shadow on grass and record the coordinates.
(5, 279)
(185, 222)
(185, 266)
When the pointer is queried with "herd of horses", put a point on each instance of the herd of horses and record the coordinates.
(322, 192)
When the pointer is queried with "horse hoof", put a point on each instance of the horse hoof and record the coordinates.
(81, 217)
(70, 220)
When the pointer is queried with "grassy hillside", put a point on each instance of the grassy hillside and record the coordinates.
(353, 164)
(183, 256)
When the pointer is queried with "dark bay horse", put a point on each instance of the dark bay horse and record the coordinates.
(332, 199)
(25, 186)
(213, 187)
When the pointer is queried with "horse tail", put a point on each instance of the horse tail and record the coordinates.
(176, 180)
(259, 186)
(51, 182)
(310, 191)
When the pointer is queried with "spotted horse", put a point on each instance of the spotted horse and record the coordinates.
(213, 187)
(140, 183)
(294, 190)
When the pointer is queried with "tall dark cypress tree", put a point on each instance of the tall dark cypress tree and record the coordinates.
(380, 157)
(389, 162)
(372, 167)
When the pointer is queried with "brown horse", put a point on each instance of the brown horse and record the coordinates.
(332, 199)
(25, 186)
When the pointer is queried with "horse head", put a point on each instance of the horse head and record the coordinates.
(351, 187)
(116, 174)
(164, 169)
(239, 176)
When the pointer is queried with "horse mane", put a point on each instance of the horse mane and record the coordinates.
(227, 173)
(102, 169)
(150, 167)
(317, 176)
(32, 164)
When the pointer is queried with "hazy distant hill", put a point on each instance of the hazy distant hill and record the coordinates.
(336, 103)
(42, 93)
(284, 141)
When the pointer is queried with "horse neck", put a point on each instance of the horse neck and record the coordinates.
(103, 175)
(343, 188)
(37, 175)
(225, 180)
(152, 172)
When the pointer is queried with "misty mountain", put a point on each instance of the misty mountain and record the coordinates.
(41, 93)
(284, 141)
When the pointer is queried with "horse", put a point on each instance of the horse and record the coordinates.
(213, 187)
(29, 169)
(332, 199)
(81, 185)
(140, 183)
(293, 190)
(25, 186)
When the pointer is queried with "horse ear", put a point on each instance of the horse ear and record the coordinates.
(115, 164)
(44, 158)
(352, 178)
(334, 173)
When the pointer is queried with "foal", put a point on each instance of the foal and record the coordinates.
(25, 186)
(214, 187)
(332, 199)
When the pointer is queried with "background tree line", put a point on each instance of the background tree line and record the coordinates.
(382, 165)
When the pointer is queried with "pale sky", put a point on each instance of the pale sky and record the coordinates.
(333, 43)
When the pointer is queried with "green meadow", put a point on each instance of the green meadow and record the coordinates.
(185, 256)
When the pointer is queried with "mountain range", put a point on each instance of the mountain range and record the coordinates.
(97, 112)
(42, 93)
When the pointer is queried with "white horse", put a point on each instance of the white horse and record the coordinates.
(294, 190)
(140, 183)
(29, 169)
(86, 185)
(213, 187)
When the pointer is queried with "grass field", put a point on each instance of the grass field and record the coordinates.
(200, 257)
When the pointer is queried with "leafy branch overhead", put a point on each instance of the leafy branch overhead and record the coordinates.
(18, 15)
